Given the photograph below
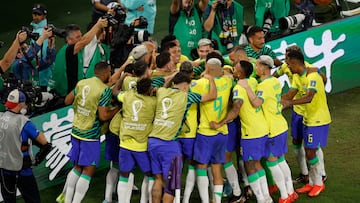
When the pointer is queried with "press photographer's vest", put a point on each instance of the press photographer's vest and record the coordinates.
(170, 109)
(88, 93)
(188, 30)
(59, 72)
(11, 125)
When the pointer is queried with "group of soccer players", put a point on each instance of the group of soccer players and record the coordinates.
(203, 118)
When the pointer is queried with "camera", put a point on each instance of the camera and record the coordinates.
(57, 31)
(119, 17)
(268, 22)
(228, 42)
(141, 36)
(111, 19)
(143, 23)
(292, 22)
(30, 34)
(221, 5)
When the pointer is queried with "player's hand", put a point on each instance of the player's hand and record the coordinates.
(214, 125)
(243, 83)
(207, 76)
(286, 103)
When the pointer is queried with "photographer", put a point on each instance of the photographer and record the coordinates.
(23, 67)
(10, 55)
(135, 9)
(224, 22)
(186, 23)
(68, 69)
(15, 159)
(124, 38)
(43, 62)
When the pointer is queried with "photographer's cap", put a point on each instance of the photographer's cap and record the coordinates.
(204, 42)
(39, 9)
(266, 60)
(15, 97)
(139, 51)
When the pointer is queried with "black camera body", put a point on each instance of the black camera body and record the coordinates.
(140, 37)
(119, 17)
(143, 23)
(221, 5)
(30, 34)
(228, 42)
(57, 31)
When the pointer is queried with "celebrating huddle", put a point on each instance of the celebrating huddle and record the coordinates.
(160, 120)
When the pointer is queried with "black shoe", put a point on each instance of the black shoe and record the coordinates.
(304, 179)
(324, 178)
(237, 199)
(248, 193)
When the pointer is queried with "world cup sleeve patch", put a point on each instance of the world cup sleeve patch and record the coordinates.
(312, 83)
(193, 84)
(259, 93)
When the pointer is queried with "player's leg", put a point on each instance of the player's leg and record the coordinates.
(88, 159)
(127, 163)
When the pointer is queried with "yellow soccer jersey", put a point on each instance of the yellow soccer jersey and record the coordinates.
(253, 123)
(269, 90)
(317, 111)
(129, 83)
(215, 110)
(284, 69)
(299, 83)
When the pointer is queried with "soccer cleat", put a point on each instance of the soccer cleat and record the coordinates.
(316, 190)
(305, 189)
(237, 199)
(272, 189)
(286, 200)
(294, 196)
(304, 179)
(227, 190)
(60, 198)
(324, 178)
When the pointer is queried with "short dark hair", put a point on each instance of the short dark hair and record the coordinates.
(140, 67)
(101, 67)
(129, 68)
(237, 48)
(167, 38)
(181, 77)
(71, 27)
(247, 68)
(167, 46)
(252, 30)
(297, 55)
(162, 59)
(143, 86)
(215, 54)
(186, 67)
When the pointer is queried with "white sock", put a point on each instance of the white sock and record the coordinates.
(130, 187)
(301, 159)
(287, 173)
(254, 182)
(315, 171)
(189, 184)
(122, 189)
(82, 187)
(151, 183)
(233, 178)
(243, 172)
(144, 190)
(278, 177)
(71, 180)
(111, 180)
(320, 154)
(202, 181)
(218, 190)
(263, 184)
(211, 183)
